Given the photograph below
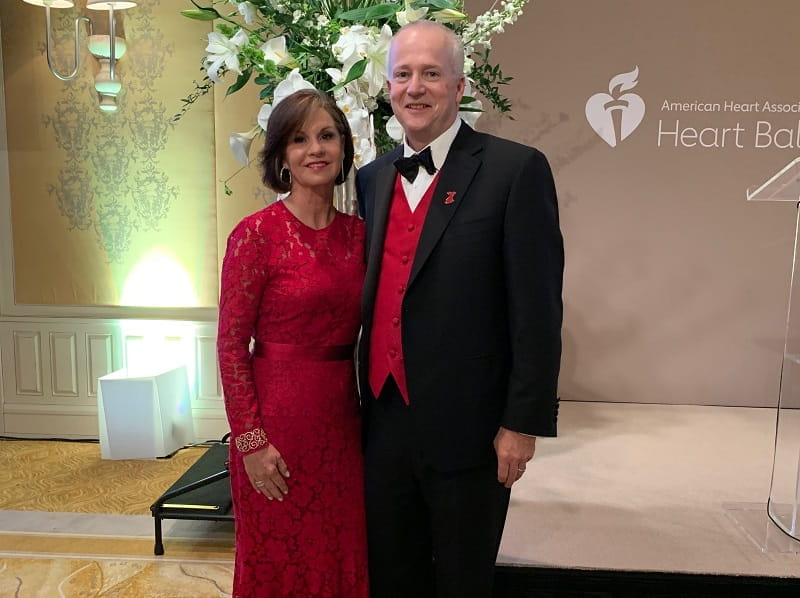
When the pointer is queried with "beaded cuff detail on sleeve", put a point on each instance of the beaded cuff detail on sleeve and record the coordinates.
(252, 440)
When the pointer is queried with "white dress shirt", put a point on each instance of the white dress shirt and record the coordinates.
(439, 149)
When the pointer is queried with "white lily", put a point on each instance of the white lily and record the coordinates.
(241, 143)
(223, 51)
(275, 50)
(248, 10)
(292, 83)
(448, 15)
(263, 116)
(377, 53)
(409, 15)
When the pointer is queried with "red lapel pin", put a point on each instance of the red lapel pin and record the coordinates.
(451, 197)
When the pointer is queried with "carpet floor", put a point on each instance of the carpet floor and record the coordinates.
(70, 477)
(75, 525)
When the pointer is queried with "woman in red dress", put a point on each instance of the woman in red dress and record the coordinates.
(291, 280)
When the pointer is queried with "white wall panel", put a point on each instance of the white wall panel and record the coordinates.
(208, 383)
(99, 359)
(51, 391)
(64, 364)
(135, 350)
(28, 362)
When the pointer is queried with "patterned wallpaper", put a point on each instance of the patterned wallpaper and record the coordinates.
(95, 194)
(112, 183)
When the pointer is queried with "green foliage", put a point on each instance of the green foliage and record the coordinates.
(311, 29)
(487, 80)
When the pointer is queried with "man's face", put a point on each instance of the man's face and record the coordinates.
(424, 88)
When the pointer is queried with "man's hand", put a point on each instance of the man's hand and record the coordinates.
(267, 472)
(514, 450)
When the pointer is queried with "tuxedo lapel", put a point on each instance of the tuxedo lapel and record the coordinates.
(454, 180)
(384, 188)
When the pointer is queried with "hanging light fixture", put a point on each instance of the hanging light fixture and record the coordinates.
(106, 48)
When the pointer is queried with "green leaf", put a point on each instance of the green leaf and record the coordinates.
(354, 73)
(368, 13)
(264, 93)
(241, 80)
(467, 99)
(262, 80)
(201, 14)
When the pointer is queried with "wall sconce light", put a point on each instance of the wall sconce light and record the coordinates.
(106, 48)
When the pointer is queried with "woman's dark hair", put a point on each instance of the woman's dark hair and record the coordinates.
(285, 120)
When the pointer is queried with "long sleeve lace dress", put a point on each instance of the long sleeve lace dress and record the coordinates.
(296, 291)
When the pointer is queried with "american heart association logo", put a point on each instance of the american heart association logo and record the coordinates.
(615, 115)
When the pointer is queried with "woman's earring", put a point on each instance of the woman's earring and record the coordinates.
(286, 176)
(340, 177)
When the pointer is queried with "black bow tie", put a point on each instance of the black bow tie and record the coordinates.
(409, 167)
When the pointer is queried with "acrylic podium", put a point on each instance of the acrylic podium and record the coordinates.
(783, 507)
(144, 416)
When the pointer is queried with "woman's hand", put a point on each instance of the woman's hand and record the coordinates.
(267, 472)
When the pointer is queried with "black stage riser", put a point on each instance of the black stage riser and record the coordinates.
(536, 582)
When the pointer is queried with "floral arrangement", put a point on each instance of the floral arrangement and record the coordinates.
(341, 48)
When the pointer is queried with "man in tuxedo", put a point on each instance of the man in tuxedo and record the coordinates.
(461, 345)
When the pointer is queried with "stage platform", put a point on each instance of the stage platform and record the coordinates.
(646, 490)
(629, 500)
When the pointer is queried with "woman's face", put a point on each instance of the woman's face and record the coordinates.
(314, 152)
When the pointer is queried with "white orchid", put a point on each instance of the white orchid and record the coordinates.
(248, 10)
(352, 45)
(360, 123)
(275, 50)
(348, 103)
(241, 143)
(394, 128)
(409, 15)
(364, 151)
(223, 51)
(336, 75)
(470, 117)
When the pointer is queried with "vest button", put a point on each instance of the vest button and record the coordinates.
(404, 260)
(401, 289)
(393, 354)
(396, 321)
(411, 228)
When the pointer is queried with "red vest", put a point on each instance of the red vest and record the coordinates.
(402, 237)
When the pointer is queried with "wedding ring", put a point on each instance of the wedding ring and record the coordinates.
(259, 483)
(521, 470)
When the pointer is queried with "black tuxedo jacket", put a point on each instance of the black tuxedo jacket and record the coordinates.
(481, 316)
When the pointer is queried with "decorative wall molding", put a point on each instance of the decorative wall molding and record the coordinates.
(52, 356)
(49, 370)
(27, 353)
(64, 370)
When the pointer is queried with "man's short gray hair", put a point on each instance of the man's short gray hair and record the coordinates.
(453, 40)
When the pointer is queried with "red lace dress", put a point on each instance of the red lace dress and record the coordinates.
(297, 292)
